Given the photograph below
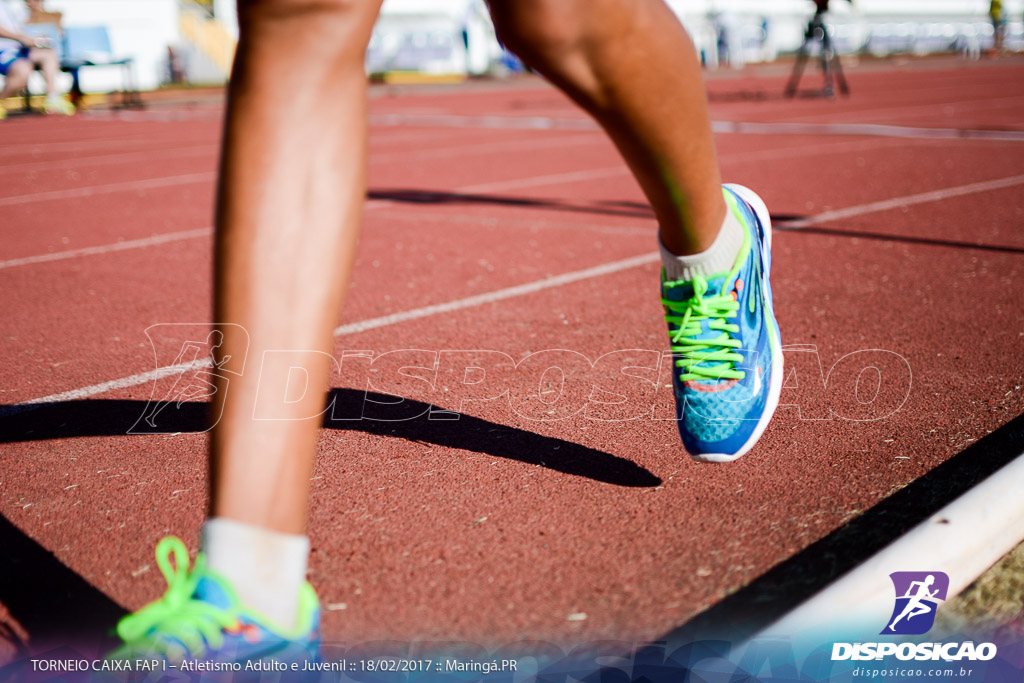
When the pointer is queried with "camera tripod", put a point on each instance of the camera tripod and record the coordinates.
(830, 65)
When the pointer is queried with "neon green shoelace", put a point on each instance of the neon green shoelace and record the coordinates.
(176, 615)
(694, 353)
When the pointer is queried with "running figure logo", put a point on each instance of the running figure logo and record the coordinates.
(185, 381)
(199, 383)
(917, 596)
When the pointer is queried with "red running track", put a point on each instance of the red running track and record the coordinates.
(509, 522)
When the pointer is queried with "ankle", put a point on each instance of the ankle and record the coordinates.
(265, 568)
(717, 258)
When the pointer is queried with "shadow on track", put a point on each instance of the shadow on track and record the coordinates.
(51, 603)
(745, 96)
(783, 219)
(384, 417)
(630, 209)
(641, 210)
(783, 587)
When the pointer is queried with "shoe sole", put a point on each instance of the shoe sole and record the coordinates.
(777, 375)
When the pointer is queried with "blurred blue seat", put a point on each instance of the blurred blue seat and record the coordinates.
(86, 46)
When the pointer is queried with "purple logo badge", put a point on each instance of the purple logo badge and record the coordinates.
(918, 595)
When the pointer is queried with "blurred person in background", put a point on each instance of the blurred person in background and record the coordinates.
(821, 6)
(39, 15)
(21, 54)
(995, 12)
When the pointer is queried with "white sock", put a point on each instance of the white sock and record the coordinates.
(719, 258)
(266, 568)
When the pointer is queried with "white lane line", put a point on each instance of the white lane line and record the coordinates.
(872, 207)
(622, 170)
(353, 328)
(499, 122)
(92, 190)
(210, 113)
(803, 150)
(396, 138)
(104, 144)
(551, 179)
(958, 108)
(533, 181)
(370, 205)
(489, 148)
(206, 232)
(520, 183)
(109, 159)
(531, 224)
(208, 176)
(498, 295)
(963, 540)
(740, 127)
(909, 200)
(165, 238)
(104, 387)
(108, 248)
(556, 281)
(577, 176)
(865, 129)
(170, 181)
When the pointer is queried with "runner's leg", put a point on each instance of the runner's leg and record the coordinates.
(631, 65)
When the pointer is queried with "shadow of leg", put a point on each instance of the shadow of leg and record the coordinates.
(47, 602)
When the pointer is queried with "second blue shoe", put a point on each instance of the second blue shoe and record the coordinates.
(201, 619)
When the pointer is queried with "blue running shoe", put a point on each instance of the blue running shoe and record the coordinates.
(201, 618)
(725, 344)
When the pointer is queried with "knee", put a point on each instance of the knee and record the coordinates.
(18, 73)
(297, 11)
(329, 29)
(44, 57)
(543, 33)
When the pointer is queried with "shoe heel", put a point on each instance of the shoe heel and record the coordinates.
(759, 207)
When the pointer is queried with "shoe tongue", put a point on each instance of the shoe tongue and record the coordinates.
(210, 591)
(679, 292)
(683, 290)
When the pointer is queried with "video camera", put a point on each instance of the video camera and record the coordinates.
(822, 5)
(817, 32)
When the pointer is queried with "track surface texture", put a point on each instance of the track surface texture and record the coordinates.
(540, 515)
